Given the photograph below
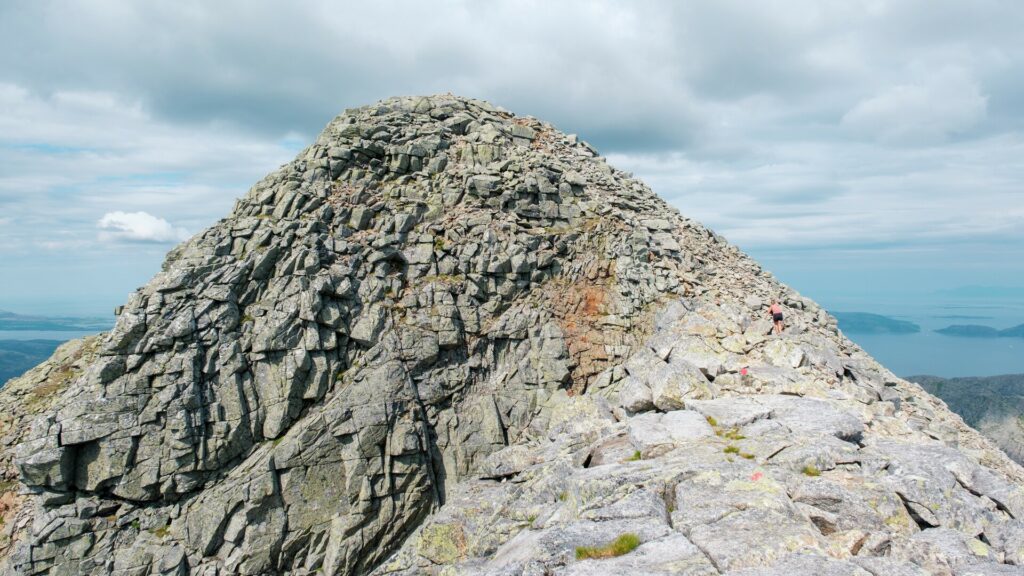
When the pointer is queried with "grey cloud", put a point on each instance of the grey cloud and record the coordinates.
(295, 71)
(949, 102)
(644, 76)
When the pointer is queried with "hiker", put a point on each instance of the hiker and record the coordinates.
(776, 313)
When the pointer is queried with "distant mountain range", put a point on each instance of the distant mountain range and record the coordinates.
(17, 356)
(979, 331)
(13, 321)
(866, 323)
(993, 405)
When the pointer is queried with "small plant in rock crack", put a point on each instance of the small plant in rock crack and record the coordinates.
(733, 434)
(624, 544)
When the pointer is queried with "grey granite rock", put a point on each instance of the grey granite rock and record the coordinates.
(446, 339)
(804, 565)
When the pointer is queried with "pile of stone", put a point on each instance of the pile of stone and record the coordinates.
(449, 340)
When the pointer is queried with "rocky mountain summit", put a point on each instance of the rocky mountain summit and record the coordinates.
(450, 340)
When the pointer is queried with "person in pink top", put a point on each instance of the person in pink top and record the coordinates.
(775, 310)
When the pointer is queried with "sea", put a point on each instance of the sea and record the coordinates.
(929, 352)
(60, 335)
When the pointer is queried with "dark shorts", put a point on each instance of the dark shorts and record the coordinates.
(777, 317)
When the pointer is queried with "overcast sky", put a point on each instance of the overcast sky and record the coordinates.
(856, 148)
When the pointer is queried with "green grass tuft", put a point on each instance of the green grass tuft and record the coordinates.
(711, 420)
(730, 449)
(636, 456)
(811, 470)
(733, 434)
(624, 544)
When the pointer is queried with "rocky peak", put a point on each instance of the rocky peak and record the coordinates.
(448, 339)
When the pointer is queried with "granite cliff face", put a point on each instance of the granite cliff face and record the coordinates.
(449, 340)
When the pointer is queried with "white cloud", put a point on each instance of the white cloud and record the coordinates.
(945, 103)
(139, 227)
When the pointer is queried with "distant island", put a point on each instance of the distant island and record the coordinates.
(1017, 331)
(979, 331)
(867, 323)
(17, 322)
(17, 356)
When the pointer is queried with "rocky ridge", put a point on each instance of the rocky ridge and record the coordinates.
(446, 339)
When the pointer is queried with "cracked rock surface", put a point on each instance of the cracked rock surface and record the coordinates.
(446, 339)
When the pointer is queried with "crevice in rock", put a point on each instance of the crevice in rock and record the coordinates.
(910, 505)
(499, 477)
(968, 488)
(849, 465)
(668, 495)
(999, 505)
(856, 438)
(859, 544)
(428, 447)
(776, 453)
(710, 558)
(822, 524)
(501, 421)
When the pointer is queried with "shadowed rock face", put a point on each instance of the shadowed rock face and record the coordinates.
(446, 339)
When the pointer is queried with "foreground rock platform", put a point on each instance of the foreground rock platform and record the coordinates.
(449, 340)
